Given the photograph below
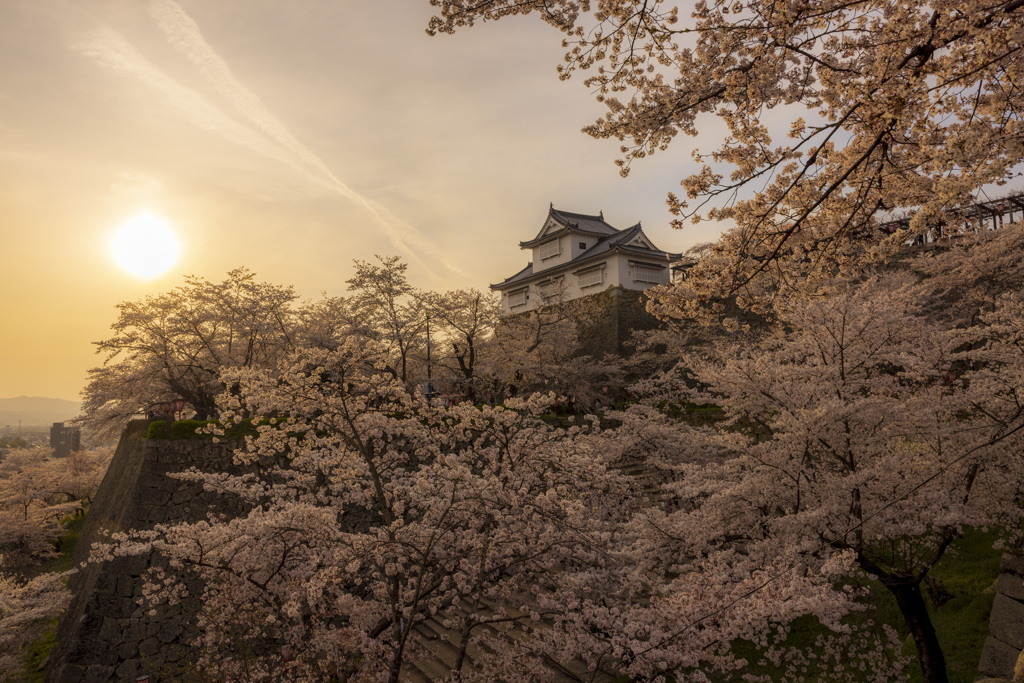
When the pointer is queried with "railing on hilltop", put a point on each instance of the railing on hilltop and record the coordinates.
(990, 214)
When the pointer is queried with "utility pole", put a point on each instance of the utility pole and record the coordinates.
(430, 383)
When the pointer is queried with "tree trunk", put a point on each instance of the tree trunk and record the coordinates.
(929, 653)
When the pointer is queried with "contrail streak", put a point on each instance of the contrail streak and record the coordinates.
(267, 136)
(186, 37)
(110, 50)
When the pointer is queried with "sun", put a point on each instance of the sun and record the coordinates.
(145, 246)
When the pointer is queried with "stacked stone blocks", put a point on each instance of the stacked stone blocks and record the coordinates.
(1006, 624)
(106, 634)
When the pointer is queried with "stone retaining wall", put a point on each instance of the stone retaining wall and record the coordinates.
(615, 314)
(1006, 623)
(105, 635)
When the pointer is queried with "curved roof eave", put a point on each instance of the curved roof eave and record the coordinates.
(520, 279)
(521, 276)
(570, 229)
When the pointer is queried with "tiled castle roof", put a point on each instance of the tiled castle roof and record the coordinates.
(609, 239)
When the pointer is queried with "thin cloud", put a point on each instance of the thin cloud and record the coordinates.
(185, 36)
(112, 51)
(137, 185)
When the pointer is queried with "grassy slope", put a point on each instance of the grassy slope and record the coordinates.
(39, 651)
(964, 577)
(967, 575)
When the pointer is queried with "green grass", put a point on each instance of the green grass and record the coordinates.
(187, 429)
(964, 577)
(34, 670)
(68, 541)
(967, 574)
(38, 651)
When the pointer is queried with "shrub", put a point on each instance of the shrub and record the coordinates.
(188, 429)
(157, 430)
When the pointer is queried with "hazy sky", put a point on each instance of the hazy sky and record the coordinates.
(287, 137)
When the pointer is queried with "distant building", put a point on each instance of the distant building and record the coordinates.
(64, 440)
(576, 255)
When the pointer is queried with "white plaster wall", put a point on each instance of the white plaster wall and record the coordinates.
(622, 273)
(612, 274)
(617, 272)
(575, 241)
(570, 291)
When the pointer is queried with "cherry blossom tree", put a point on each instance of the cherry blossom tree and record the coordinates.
(372, 512)
(834, 111)
(25, 608)
(973, 271)
(31, 507)
(540, 351)
(174, 345)
(388, 311)
(37, 494)
(324, 323)
(81, 472)
(466, 319)
(856, 436)
(693, 314)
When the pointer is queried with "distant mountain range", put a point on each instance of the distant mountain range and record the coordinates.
(33, 411)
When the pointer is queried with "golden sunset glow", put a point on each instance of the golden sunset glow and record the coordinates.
(211, 115)
(551, 340)
(145, 246)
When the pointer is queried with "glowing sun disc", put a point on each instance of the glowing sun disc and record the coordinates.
(145, 246)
